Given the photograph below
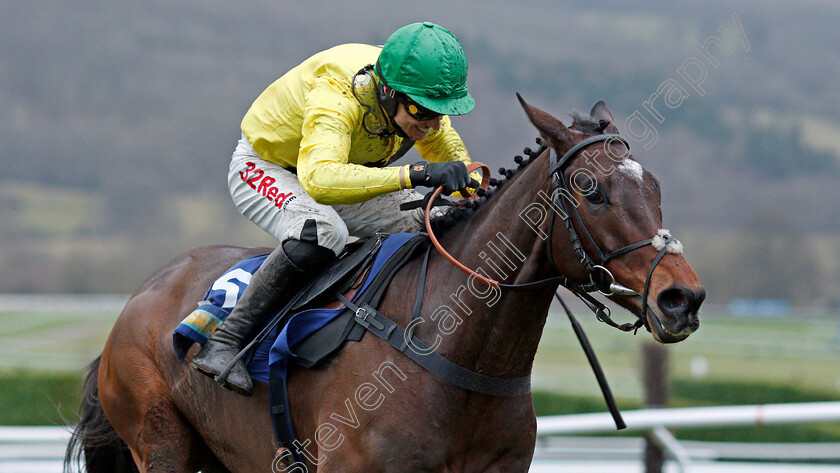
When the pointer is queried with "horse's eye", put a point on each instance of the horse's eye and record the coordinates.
(596, 197)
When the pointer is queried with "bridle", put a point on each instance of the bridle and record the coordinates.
(600, 278)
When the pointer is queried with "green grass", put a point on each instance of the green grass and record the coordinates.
(51, 341)
(39, 399)
(691, 393)
(801, 353)
(750, 361)
(551, 404)
(53, 399)
(720, 393)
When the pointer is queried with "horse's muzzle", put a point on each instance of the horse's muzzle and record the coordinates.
(679, 306)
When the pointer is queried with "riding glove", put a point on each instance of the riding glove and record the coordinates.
(451, 175)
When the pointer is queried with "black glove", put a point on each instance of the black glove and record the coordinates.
(452, 175)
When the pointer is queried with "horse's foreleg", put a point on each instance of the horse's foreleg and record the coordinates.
(165, 442)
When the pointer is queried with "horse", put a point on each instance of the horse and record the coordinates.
(367, 407)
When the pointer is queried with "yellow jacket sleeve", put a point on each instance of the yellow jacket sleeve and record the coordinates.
(323, 167)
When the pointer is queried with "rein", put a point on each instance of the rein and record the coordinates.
(485, 184)
(601, 279)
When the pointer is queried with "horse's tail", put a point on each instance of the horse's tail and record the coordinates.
(94, 438)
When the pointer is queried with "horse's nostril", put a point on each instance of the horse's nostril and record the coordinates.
(679, 300)
(701, 296)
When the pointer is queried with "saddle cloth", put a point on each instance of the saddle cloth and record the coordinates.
(313, 306)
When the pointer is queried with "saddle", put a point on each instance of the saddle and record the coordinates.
(352, 271)
(306, 330)
(363, 274)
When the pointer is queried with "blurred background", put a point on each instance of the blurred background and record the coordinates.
(119, 118)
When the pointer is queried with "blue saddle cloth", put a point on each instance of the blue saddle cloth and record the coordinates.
(279, 346)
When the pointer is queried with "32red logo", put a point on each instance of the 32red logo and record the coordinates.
(264, 185)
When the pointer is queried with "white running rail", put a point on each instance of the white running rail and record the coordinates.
(648, 419)
(656, 422)
(32, 449)
(37, 449)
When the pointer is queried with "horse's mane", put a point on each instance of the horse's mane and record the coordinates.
(460, 214)
(580, 123)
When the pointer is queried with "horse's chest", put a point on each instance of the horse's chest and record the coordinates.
(461, 437)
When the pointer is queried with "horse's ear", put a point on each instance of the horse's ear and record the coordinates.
(550, 128)
(602, 115)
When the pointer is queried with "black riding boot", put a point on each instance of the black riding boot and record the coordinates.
(271, 285)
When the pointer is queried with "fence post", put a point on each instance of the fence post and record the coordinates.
(655, 377)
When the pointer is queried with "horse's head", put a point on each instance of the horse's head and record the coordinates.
(607, 206)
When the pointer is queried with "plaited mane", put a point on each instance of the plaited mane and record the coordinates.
(460, 214)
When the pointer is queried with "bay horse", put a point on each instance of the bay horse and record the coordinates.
(368, 408)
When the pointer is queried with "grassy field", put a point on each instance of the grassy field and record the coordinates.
(795, 352)
(728, 361)
(39, 398)
(53, 399)
(52, 341)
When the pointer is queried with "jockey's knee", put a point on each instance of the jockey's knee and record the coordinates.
(319, 241)
(306, 255)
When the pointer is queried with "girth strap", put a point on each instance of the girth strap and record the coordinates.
(420, 353)
(280, 418)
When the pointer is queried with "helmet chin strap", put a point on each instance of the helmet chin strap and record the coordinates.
(388, 100)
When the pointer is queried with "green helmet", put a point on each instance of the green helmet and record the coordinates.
(426, 62)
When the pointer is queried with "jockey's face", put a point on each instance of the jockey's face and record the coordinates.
(415, 129)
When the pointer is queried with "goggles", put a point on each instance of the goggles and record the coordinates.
(416, 111)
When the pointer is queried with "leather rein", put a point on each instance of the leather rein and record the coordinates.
(600, 278)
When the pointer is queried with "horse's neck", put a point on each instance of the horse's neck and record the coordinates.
(501, 328)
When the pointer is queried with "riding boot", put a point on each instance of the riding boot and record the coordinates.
(270, 286)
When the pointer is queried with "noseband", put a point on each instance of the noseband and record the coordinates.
(600, 278)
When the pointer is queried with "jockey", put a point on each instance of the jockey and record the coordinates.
(309, 167)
